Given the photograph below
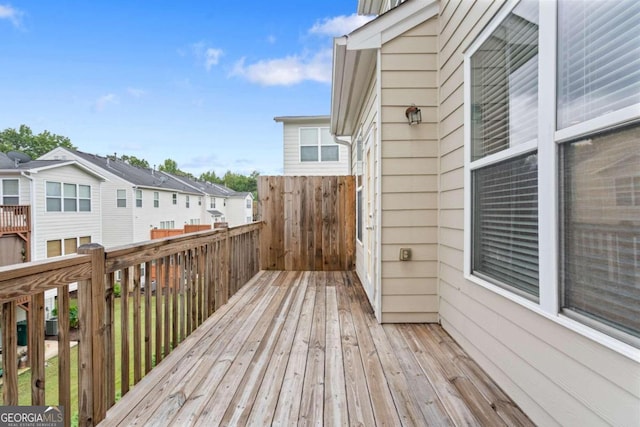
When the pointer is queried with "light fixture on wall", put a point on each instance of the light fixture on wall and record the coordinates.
(414, 116)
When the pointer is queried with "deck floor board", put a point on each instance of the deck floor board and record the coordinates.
(302, 348)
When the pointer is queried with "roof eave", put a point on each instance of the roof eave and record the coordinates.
(301, 119)
(355, 56)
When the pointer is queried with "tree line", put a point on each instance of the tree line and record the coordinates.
(35, 145)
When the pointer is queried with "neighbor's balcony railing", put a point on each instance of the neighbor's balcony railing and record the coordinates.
(15, 219)
(196, 274)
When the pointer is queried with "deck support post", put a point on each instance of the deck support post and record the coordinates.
(92, 347)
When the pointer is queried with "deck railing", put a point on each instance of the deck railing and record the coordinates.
(14, 219)
(196, 274)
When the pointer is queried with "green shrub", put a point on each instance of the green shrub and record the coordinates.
(117, 290)
(73, 317)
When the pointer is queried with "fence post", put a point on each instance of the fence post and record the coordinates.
(91, 353)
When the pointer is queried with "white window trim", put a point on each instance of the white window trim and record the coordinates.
(138, 198)
(156, 199)
(121, 198)
(62, 198)
(2, 195)
(548, 143)
(318, 146)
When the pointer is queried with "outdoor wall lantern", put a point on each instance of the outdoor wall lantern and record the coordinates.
(414, 116)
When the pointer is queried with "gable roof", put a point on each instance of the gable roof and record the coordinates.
(35, 166)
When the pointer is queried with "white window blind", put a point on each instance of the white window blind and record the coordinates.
(598, 58)
(505, 222)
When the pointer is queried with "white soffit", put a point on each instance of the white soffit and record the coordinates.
(369, 7)
(390, 25)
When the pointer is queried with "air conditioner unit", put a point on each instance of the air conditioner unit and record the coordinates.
(51, 326)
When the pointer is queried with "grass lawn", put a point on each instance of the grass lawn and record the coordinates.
(51, 370)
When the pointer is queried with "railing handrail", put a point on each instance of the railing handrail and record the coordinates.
(29, 278)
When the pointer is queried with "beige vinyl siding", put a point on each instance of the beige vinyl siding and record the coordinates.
(291, 154)
(557, 376)
(64, 225)
(409, 180)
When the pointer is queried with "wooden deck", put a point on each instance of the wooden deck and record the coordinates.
(304, 348)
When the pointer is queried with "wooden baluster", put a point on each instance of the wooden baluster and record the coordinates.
(9, 346)
(64, 354)
(36, 348)
(91, 354)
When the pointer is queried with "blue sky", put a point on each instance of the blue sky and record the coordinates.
(195, 81)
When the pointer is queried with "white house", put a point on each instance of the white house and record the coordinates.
(221, 204)
(65, 201)
(309, 148)
(515, 191)
(137, 200)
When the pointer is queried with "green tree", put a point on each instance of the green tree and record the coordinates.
(171, 166)
(35, 146)
(242, 183)
(134, 161)
(211, 177)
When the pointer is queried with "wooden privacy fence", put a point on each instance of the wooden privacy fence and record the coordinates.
(309, 222)
(207, 268)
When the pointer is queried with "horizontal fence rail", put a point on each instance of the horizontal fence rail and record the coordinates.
(127, 321)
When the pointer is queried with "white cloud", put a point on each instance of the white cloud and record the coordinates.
(9, 13)
(212, 56)
(136, 93)
(271, 39)
(105, 100)
(339, 25)
(206, 55)
(297, 68)
(287, 71)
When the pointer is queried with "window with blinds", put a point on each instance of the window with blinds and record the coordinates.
(505, 223)
(598, 59)
(504, 111)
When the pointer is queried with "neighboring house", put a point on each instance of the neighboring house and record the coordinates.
(65, 202)
(309, 148)
(516, 193)
(240, 208)
(222, 204)
(136, 200)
